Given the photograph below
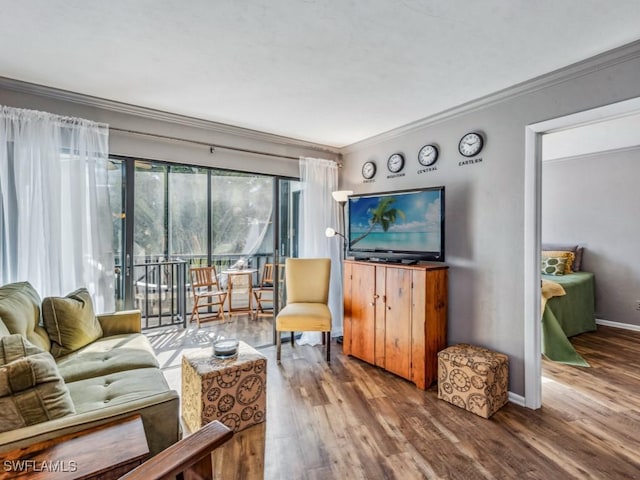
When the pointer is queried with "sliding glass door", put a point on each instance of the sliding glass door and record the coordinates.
(288, 194)
(171, 217)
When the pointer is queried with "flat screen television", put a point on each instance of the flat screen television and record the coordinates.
(401, 226)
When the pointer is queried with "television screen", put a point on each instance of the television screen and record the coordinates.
(408, 223)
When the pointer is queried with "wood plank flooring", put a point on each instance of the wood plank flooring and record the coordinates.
(170, 342)
(349, 420)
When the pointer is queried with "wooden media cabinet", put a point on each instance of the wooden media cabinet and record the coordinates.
(395, 317)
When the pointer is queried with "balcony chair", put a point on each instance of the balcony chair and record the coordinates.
(307, 307)
(264, 292)
(206, 291)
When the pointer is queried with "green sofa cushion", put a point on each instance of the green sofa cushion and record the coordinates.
(107, 355)
(116, 388)
(32, 391)
(70, 322)
(20, 313)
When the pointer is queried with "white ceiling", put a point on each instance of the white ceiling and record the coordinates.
(328, 71)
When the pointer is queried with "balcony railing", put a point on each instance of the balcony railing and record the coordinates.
(162, 291)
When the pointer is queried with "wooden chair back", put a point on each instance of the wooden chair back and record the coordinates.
(268, 278)
(267, 275)
(204, 277)
(206, 291)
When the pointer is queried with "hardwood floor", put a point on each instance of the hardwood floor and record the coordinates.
(349, 420)
(170, 342)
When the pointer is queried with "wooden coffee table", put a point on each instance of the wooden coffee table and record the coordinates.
(104, 452)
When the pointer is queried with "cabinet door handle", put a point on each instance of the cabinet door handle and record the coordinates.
(373, 304)
(388, 307)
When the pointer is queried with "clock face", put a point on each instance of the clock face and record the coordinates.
(395, 163)
(428, 155)
(470, 144)
(250, 389)
(369, 170)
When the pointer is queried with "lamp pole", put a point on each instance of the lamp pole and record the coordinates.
(341, 197)
(344, 228)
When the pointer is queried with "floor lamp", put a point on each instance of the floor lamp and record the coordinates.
(340, 196)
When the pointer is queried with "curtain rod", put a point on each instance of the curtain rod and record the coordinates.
(212, 146)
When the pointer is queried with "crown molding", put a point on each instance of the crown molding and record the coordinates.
(152, 114)
(593, 64)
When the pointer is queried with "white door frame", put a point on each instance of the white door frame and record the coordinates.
(532, 232)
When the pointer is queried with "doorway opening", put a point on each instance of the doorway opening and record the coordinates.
(533, 229)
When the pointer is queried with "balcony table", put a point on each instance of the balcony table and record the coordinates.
(235, 277)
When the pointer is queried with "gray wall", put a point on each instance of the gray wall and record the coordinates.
(125, 117)
(485, 201)
(594, 201)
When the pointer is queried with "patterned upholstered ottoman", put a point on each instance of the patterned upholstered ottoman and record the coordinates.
(473, 378)
(231, 390)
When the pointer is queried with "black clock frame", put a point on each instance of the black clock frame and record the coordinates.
(435, 158)
(480, 136)
(401, 166)
(373, 174)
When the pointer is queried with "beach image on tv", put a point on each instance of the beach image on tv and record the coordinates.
(409, 222)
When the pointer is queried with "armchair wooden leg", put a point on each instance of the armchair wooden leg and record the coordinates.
(278, 345)
(328, 347)
(293, 342)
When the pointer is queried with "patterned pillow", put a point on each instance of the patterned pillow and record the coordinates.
(567, 247)
(554, 266)
(567, 255)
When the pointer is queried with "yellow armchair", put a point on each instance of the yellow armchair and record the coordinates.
(307, 281)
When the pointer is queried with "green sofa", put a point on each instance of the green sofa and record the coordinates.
(114, 376)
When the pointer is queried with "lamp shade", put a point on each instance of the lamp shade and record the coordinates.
(330, 232)
(341, 195)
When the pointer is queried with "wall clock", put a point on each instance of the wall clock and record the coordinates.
(369, 170)
(428, 155)
(470, 144)
(395, 163)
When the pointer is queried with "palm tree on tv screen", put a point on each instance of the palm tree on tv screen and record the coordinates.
(384, 215)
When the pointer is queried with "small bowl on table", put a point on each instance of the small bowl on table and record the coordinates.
(225, 348)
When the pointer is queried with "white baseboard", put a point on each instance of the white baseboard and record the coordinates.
(517, 399)
(625, 326)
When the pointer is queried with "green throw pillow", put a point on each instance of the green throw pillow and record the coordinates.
(31, 389)
(70, 322)
(554, 265)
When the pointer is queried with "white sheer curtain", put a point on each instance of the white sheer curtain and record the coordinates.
(318, 211)
(55, 217)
